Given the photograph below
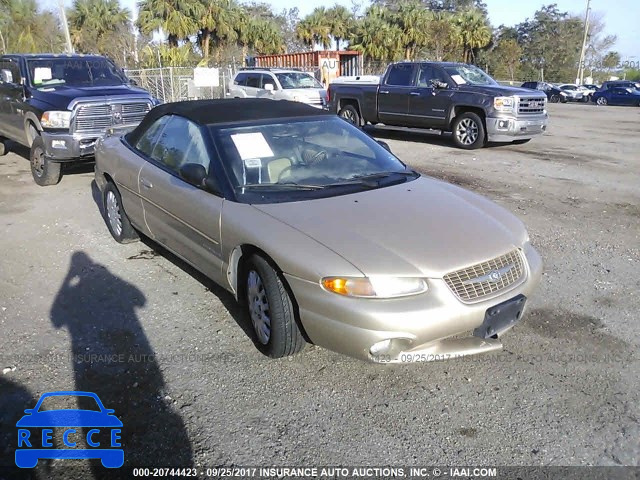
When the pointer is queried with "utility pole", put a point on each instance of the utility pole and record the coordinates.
(580, 77)
(65, 26)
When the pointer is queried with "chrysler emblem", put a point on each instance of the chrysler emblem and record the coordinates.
(492, 277)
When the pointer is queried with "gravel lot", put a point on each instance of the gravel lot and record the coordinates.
(197, 392)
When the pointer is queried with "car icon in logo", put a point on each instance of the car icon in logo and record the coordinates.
(100, 428)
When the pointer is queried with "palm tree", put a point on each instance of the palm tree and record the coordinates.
(376, 37)
(91, 22)
(218, 23)
(340, 21)
(413, 20)
(444, 37)
(314, 29)
(177, 18)
(267, 37)
(474, 32)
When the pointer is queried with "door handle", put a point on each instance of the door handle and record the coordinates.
(384, 92)
(415, 94)
(146, 183)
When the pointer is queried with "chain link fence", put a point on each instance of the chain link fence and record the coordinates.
(172, 84)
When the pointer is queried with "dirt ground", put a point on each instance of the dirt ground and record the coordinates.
(197, 392)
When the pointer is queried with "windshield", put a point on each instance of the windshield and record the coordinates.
(301, 159)
(297, 80)
(569, 87)
(74, 71)
(468, 74)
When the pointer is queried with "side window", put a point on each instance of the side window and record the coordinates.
(9, 72)
(428, 73)
(266, 78)
(253, 80)
(180, 142)
(241, 79)
(149, 138)
(400, 75)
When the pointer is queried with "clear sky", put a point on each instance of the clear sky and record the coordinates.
(620, 16)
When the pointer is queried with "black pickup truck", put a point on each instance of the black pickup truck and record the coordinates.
(452, 97)
(59, 105)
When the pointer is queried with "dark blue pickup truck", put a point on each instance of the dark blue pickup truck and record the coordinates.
(451, 97)
(60, 105)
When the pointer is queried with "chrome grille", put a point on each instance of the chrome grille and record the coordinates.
(477, 282)
(531, 106)
(98, 118)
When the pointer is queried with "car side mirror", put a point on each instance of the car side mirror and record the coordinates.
(133, 82)
(269, 87)
(29, 411)
(384, 145)
(439, 84)
(194, 173)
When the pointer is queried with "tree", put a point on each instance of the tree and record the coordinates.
(218, 22)
(314, 29)
(473, 31)
(340, 23)
(443, 37)
(25, 29)
(611, 60)
(100, 26)
(176, 18)
(376, 37)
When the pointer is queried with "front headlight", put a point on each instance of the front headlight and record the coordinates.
(55, 119)
(564, 94)
(503, 104)
(375, 286)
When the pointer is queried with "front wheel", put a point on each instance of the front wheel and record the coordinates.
(468, 131)
(601, 101)
(44, 171)
(350, 114)
(3, 147)
(554, 99)
(117, 220)
(271, 310)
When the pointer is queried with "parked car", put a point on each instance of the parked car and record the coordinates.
(617, 96)
(574, 93)
(453, 97)
(591, 87)
(319, 231)
(554, 94)
(59, 105)
(278, 84)
(620, 83)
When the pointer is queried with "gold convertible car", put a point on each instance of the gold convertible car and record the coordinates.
(319, 231)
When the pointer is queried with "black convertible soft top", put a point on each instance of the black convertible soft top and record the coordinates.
(232, 110)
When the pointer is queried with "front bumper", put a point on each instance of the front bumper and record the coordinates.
(419, 327)
(65, 147)
(508, 129)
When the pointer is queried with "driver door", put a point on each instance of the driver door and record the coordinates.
(11, 101)
(180, 216)
(428, 106)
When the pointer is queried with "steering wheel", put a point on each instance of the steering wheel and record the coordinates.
(318, 157)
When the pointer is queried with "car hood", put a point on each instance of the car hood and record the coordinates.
(424, 227)
(61, 96)
(69, 418)
(499, 90)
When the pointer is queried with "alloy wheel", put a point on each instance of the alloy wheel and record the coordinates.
(467, 131)
(259, 307)
(113, 213)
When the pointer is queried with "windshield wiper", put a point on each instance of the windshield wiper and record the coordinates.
(373, 180)
(277, 186)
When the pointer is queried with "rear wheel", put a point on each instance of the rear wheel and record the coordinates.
(44, 171)
(271, 310)
(468, 131)
(3, 147)
(554, 99)
(602, 101)
(350, 114)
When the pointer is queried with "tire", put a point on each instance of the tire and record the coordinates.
(270, 309)
(117, 220)
(468, 131)
(522, 141)
(3, 147)
(350, 114)
(44, 171)
(602, 101)
(585, 99)
(554, 99)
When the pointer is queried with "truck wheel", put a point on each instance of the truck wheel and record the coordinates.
(271, 311)
(350, 114)
(468, 131)
(44, 171)
(117, 220)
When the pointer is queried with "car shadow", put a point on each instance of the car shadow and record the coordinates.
(113, 358)
(410, 135)
(67, 169)
(235, 309)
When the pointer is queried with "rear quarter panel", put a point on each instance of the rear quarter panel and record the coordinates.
(365, 95)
